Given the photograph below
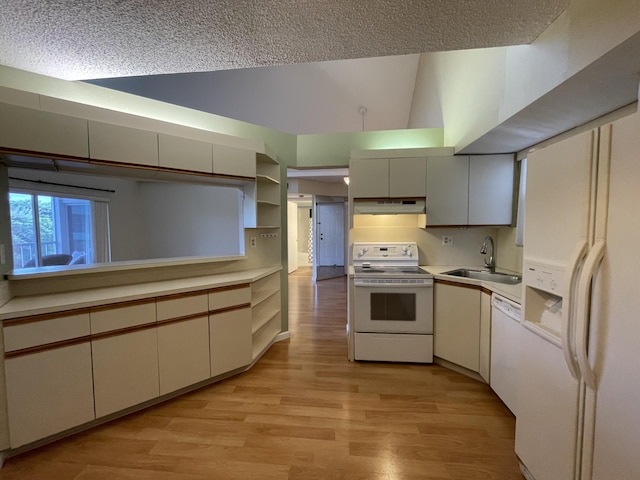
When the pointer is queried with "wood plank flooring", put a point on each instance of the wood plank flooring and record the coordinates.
(302, 413)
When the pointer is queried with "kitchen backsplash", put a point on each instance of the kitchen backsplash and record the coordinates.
(466, 241)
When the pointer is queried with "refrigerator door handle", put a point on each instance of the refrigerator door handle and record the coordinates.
(567, 311)
(582, 314)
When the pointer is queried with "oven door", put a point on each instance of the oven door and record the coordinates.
(395, 308)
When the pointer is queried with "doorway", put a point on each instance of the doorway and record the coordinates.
(329, 225)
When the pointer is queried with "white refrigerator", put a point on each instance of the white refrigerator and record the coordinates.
(578, 385)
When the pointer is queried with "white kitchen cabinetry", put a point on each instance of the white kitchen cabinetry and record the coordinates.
(125, 358)
(485, 335)
(457, 324)
(234, 162)
(262, 197)
(265, 312)
(48, 375)
(184, 154)
(383, 177)
(38, 131)
(470, 190)
(230, 339)
(491, 189)
(183, 340)
(230, 328)
(120, 144)
(447, 190)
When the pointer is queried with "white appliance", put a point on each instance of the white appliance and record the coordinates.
(578, 409)
(393, 306)
(506, 331)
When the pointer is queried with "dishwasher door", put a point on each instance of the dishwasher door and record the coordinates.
(506, 335)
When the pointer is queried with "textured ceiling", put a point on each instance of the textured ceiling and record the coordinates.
(76, 39)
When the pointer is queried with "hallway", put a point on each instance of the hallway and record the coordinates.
(302, 412)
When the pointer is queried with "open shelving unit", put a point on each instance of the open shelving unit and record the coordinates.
(265, 312)
(262, 197)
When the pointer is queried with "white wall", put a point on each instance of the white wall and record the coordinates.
(481, 88)
(190, 220)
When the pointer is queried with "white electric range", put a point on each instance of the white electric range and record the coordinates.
(393, 303)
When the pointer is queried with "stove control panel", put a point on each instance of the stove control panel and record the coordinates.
(400, 253)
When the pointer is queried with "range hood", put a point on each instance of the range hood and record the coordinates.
(389, 206)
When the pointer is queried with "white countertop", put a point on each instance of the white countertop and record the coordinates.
(56, 302)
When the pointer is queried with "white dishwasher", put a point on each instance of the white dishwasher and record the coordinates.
(506, 332)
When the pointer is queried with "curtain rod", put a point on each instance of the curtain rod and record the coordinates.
(62, 185)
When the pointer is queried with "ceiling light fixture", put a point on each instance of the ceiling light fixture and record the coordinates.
(362, 110)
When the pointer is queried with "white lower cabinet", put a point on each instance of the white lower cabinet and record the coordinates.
(48, 392)
(183, 353)
(485, 335)
(125, 370)
(457, 324)
(230, 339)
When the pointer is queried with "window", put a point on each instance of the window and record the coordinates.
(52, 230)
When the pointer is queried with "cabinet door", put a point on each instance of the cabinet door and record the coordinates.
(369, 178)
(447, 190)
(231, 343)
(125, 370)
(408, 177)
(485, 335)
(183, 353)
(184, 154)
(491, 189)
(37, 131)
(232, 161)
(123, 144)
(457, 325)
(48, 392)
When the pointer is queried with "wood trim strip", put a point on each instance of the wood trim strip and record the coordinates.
(229, 309)
(11, 322)
(123, 331)
(46, 347)
(458, 284)
(175, 296)
(230, 287)
(38, 154)
(129, 303)
(486, 290)
(183, 318)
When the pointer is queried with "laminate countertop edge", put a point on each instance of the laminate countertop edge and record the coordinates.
(59, 302)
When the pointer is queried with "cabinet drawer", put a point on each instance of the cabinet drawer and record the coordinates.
(115, 317)
(177, 306)
(229, 297)
(41, 330)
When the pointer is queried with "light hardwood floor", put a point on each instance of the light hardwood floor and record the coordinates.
(302, 413)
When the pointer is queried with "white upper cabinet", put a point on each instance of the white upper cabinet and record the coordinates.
(185, 154)
(407, 177)
(491, 189)
(38, 131)
(369, 177)
(470, 190)
(235, 162)
(122, 144)
(387, 178)
(447, 190)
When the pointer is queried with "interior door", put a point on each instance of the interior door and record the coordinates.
(292, 236)
(330, 233)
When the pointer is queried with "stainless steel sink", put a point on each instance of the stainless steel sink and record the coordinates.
(498, 277)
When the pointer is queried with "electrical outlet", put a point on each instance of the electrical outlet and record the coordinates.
(447, 240)
(252, 242)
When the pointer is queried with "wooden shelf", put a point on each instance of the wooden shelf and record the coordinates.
(267, 179)
(265, 336)
(261, 295)
(265, 318)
